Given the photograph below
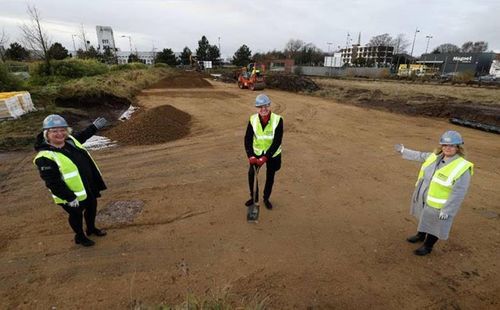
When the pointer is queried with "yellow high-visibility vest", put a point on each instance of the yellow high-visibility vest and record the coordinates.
(443, 179)
(69, 172)
(263, 137)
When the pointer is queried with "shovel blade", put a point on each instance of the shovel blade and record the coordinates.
(253, 214)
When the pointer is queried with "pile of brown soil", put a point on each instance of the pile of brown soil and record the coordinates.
(293, 83)
(158, 125)
(186, 80)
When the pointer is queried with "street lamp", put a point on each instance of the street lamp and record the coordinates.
(129, 42)
(329, 45)
(413, 44)
(428, 39)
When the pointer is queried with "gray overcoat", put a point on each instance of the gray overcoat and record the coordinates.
(427, 216)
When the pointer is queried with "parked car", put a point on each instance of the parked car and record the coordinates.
(487, 78)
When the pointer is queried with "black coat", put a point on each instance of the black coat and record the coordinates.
(49, 171)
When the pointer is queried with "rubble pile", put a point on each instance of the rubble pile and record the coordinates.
(293, 83)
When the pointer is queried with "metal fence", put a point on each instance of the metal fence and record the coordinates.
(342, 72)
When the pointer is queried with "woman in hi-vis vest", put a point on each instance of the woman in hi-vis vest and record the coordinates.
(70, 173)
(441, 187)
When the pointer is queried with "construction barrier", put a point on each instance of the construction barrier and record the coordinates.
(15, 104)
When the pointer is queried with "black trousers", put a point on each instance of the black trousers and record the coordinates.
(272, 165)
(87, 209)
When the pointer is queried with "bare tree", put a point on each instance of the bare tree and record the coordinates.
(3, 41)
(35, 37)
(400, 44)
(293, 47)
(446, 48)
(381, 40)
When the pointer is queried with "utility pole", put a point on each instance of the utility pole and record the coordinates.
(84, 38)
(428, 39)
(73, 38)
(413, 44)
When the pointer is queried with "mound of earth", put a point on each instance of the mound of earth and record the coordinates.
(158, 125)
(293, 83)
(186, 80)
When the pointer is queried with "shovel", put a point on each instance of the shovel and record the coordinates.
(253, 210)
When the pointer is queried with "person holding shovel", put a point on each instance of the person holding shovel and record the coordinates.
(263, 146)
(441, 187)
(70, 173)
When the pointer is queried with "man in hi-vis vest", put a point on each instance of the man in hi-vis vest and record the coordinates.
(70, 173)
(441, 187)
(263, 145)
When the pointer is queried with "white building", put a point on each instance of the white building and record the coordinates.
(105, 38)
(146, 57)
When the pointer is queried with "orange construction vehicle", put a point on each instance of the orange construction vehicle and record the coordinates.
(252, 77)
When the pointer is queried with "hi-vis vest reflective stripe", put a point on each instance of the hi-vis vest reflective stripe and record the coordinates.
(69, 172)
(443, 179)
(263, 138)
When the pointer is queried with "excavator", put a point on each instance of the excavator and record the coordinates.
(252, 77)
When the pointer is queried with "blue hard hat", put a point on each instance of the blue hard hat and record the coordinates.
(451, 137)
(54, 121)
(262, 100)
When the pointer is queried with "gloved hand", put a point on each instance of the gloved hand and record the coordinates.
(252, 160)
(262, 160)
(74, 204)
(100, 122)
(443, 216)
(399, 148)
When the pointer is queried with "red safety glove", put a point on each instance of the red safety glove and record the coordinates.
(252, 160)
(262, 160)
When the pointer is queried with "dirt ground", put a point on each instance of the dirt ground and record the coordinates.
(335, 239)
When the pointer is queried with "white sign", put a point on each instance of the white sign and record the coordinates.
(462, 59)
(207, 64)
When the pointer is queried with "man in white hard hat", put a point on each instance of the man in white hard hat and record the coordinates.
(70, 173)
(263, 146)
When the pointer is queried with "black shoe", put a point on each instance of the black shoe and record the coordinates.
(249, 202)
(423, 250)
(416, 238)
(83, 241)
(269, 205)
(97, 232)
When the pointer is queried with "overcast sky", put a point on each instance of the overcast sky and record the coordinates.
(260, 24)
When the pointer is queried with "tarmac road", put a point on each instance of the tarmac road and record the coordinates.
(336, 238)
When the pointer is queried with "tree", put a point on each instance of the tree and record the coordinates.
(400, 44)
(381, 40)
(446, 48)
(186, 56)
(166, 56)
(90, 53)
(108, 56)
(36, 38)
(58, 52)
(242, 56)
(3, 40)
(474, 47)
(213, 54)
(292, 47)
(134, 58)
(309, 54)
(16, 52)
(202, 50)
